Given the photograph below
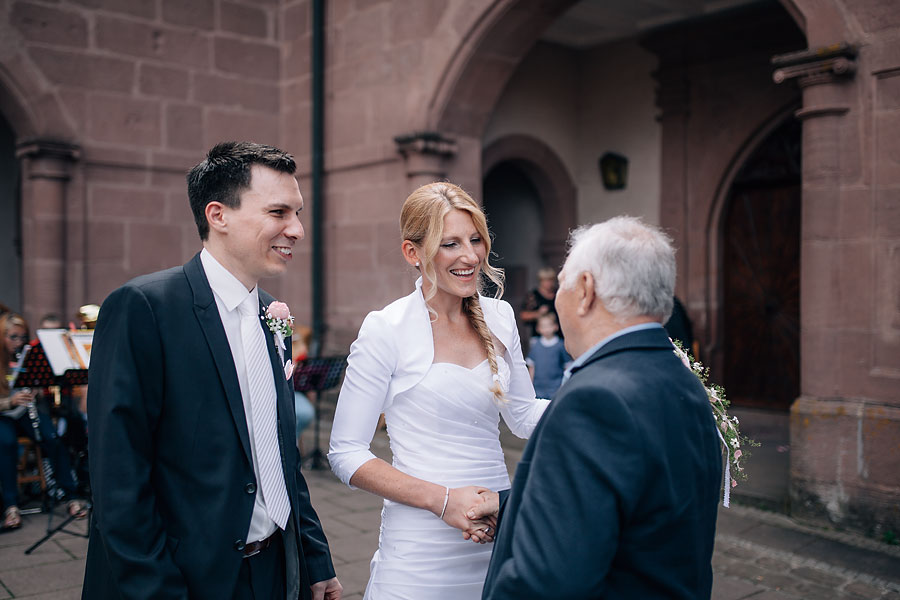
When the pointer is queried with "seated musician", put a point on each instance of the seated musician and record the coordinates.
(29, 423)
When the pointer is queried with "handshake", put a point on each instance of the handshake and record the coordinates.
(473, 510)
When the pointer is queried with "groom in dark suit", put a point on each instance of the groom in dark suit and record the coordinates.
(616, 493)
(194, 471)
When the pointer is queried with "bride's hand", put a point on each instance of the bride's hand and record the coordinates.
(460, 501)
(482, 531)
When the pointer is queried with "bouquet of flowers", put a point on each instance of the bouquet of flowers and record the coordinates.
(726, 426)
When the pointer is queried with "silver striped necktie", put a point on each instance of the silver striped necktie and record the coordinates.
(261, 386)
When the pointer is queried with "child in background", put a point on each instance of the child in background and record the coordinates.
(548, 356)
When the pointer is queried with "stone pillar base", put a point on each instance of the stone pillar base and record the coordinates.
(845, 464)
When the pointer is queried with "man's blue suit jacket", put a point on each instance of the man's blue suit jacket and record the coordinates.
(616, 493)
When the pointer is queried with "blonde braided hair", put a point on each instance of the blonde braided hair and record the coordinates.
(472, 308)
(422, 223)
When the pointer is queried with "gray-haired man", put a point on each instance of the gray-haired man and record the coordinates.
(624, 466)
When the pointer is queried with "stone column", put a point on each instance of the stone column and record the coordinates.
(844, 425)
(46, 170)
(673, 99)
(426, 154)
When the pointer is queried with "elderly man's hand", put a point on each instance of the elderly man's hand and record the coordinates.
(489, 505)
(483, 516)
(330, 589)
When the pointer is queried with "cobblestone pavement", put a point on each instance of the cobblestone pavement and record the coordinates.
(759, 555)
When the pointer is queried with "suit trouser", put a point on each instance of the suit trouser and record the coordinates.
(262, 576)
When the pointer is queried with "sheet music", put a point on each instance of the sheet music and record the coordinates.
(82, 341)
(66, 349)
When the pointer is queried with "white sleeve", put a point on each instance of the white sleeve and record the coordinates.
(520, 409)
(362, 399)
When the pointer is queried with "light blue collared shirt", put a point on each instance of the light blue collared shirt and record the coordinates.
(590, 352)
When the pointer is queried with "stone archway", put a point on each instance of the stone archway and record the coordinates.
(32, 109)
(489, 54)
(554, 187)
(500, 36)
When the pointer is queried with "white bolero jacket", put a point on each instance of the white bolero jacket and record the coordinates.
(393, 352)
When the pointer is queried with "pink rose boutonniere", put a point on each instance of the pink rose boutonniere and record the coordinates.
(280, 322)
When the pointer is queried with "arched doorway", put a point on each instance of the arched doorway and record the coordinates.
(10, 229)
(513, 208)
(530, 199)
(760, 261)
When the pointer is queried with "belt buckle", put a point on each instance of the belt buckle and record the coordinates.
(257, 546)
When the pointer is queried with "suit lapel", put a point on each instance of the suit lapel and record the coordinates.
(207, 314)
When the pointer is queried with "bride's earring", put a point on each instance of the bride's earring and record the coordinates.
(417, 264)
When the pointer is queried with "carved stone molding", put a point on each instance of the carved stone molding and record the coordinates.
(426, 142)
(426, 153)
(821, 111)
(816, 66)
(48, 159)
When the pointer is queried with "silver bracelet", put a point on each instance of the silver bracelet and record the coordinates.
(446, 497)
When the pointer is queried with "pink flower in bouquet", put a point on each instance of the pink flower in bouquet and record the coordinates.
(279, 310)
(738, 453)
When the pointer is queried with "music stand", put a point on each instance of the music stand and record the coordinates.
(317, 375)
(36, 372)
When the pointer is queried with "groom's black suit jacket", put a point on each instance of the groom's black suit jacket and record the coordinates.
(616, 492)
(171, 472)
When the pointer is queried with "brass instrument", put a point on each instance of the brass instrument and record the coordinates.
(88, 314)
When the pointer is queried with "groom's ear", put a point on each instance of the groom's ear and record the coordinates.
(215, 216)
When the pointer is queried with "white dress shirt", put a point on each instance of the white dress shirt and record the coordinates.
(229, 292)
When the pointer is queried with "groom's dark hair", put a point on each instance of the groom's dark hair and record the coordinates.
(225, 173)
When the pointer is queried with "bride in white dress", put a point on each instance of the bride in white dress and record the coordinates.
(442, 364)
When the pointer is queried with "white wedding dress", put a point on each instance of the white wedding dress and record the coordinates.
(444, 430)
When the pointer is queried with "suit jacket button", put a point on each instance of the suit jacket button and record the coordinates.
(239, 545)
(250, 488)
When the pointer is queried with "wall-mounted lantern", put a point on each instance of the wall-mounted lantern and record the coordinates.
(614, 171)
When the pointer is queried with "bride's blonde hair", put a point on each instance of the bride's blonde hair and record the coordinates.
(422, 223)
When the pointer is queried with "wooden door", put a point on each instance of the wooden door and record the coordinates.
(761, 276)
